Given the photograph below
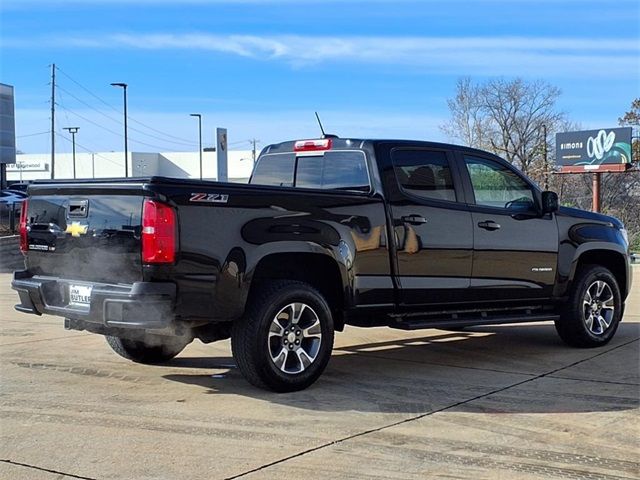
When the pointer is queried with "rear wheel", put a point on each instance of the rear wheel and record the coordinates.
(284, 341)
(594, 309)
(154, 350)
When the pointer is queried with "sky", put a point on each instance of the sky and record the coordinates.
(260, 68)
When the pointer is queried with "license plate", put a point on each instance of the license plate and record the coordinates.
(80, 295)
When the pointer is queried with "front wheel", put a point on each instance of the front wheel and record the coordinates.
(594, 309)
(284, 341)
(151, 351)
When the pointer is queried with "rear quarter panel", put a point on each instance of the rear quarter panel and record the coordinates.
(221, 243)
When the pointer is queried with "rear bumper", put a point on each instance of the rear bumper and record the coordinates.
(141, 305)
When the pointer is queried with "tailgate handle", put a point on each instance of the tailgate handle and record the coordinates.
(78, 208)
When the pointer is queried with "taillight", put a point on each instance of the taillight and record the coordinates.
(312, 145)
(24, 245)
(158, 232)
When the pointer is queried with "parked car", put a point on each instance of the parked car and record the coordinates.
(20, 187)
(329, 232)
(9, 197)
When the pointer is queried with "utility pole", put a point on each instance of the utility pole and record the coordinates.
(73, 131)
(253, 151)
(596, 183)
(126, 153)
(53, 120)
(199, 116)
(546, 160)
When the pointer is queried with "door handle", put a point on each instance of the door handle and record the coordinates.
(489, 225)
(414, 219)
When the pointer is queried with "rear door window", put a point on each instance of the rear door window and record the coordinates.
(424, 173)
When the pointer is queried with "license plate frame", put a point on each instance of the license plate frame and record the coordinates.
(80, 295)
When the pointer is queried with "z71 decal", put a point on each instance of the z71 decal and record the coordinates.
(209, 197)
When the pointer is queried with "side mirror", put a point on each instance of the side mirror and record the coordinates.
(549, 202)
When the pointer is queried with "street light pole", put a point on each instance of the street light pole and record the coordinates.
(126, 153)
(199, 138)
(73, 131)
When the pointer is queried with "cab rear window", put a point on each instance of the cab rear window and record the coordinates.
(334, 170)
(275, 170)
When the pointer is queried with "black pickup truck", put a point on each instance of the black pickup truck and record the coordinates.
(329, 232)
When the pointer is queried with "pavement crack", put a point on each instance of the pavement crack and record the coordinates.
(48, 470)
(426, 414)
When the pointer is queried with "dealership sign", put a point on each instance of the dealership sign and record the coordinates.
(28, 166)
(591, 148)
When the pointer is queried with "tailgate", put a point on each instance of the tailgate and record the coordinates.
(92, 236)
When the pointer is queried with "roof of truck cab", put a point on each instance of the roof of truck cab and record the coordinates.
(359, 143)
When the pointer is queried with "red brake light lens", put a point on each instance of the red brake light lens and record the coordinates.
(24, 244)
(312, 145)
(158, 232)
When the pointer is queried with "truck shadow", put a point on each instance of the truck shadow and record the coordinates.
(514, 369)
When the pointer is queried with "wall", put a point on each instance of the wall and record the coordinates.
(111, 164)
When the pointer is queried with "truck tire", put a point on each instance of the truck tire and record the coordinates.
(593, 311)
(283, 342)
(147, 352)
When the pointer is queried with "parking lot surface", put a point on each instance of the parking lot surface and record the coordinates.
(499, 402)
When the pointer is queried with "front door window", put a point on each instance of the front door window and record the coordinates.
(495, 185)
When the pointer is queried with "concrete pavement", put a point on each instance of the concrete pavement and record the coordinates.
(493, 402)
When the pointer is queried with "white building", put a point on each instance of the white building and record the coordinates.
(111, 165)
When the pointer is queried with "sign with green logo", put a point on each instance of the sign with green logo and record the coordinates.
(606, 146)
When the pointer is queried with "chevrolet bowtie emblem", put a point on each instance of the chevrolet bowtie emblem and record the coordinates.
(75, 229)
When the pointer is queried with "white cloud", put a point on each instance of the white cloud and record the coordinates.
(460, 55)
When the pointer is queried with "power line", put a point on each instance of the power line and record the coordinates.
(241, 142)
(87, 90)
(117, 133)
(190, 144)
(89, 106)
(62, 105)
(33, 134)
(116, 110)
(88, 150)
(158, 131)
(92, 122)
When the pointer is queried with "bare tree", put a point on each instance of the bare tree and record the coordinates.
(632, 119)
(505, 117)
(469, 125)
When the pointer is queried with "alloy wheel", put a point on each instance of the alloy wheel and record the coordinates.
(598, 307)
(295, 336)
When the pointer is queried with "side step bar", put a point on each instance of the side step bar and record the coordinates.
(421, 323)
